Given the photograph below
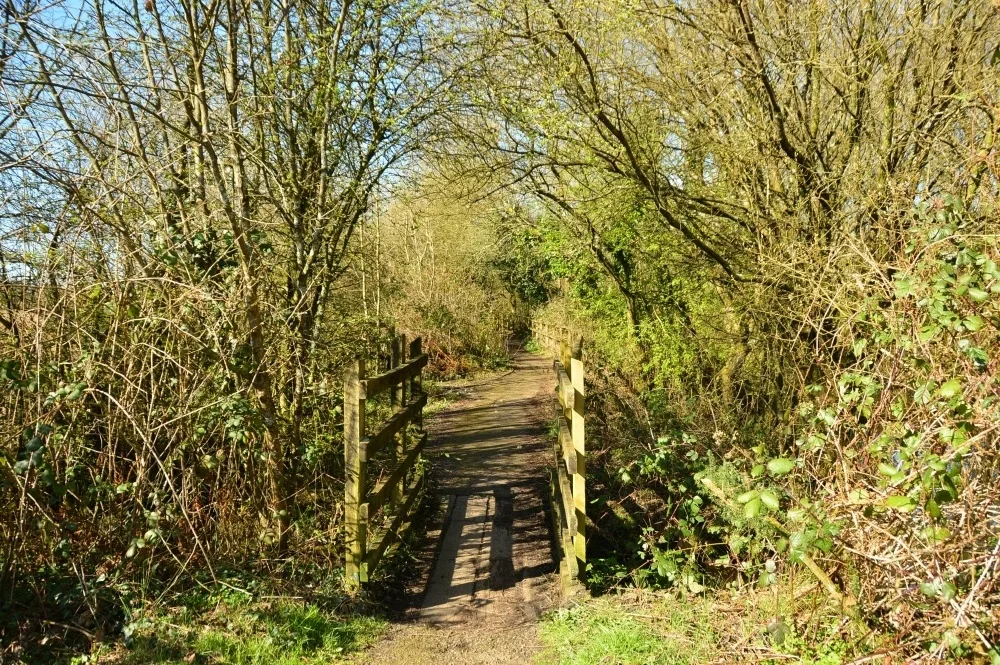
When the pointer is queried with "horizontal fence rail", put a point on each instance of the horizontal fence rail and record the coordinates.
(396, 494)
(568, 477)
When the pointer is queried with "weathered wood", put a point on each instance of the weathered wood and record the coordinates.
(379, 384)
(390, 533)
(393, 364)
(565, 388)
(355, 523)
(403, 379)
(400, 488)
(566, 449)
(382, 493)
(568, 479)
(417, 380)
(568, 567)
(393, 425)
(566, 500)
(580, 448)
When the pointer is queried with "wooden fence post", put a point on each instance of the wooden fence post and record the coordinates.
(393, 364)
(355, 517)
(579, 446)
(399, 348)
(366, 543)
(417, 382)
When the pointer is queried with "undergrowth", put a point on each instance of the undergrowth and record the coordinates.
(628, 631)
(749, 624)
(229, 627)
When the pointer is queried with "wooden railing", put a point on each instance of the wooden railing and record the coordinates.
(395, 495)
(568, 478)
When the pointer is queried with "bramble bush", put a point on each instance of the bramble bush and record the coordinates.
(879, 469)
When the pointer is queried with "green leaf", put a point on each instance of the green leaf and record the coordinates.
(978, 295)
(927, 333)
(752, 509)
(933, 509)
(903, 504)
(887, 469)
(770, 499)
(746, 497)
(973, 323)
(950, 388)
(779, 466)
(935, 534)
(693, 585)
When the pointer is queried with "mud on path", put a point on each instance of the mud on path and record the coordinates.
(493, 574)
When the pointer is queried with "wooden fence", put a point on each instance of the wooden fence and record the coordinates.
(568, 478)
(395, 495)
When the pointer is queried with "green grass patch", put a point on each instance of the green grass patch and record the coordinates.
(746, 625)
(614, 630)
(232, 630)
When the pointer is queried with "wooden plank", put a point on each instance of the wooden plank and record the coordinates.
(579, 478)
(379, 384)
(393, 425)
(417, 380)
(566, 500)
(566, 450)
(387, 535)
(379, 496)
(393, 364)
(556, 529)
(401, 440)
(565, 389)
(355, 524)
(568, 564)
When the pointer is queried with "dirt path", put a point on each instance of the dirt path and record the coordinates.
(493, 575)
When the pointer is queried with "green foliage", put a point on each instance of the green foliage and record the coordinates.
(746, 474)
(228, 628)
(806, 652)
(521, 265)
(450, 283)
(608, 631)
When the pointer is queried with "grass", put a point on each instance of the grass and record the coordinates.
(630, 631)
(642, 627)
(232, 629)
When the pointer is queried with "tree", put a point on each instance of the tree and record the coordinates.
(218, 157)
(759, 137)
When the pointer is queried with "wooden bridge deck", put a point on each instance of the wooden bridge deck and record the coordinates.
(494, 572)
